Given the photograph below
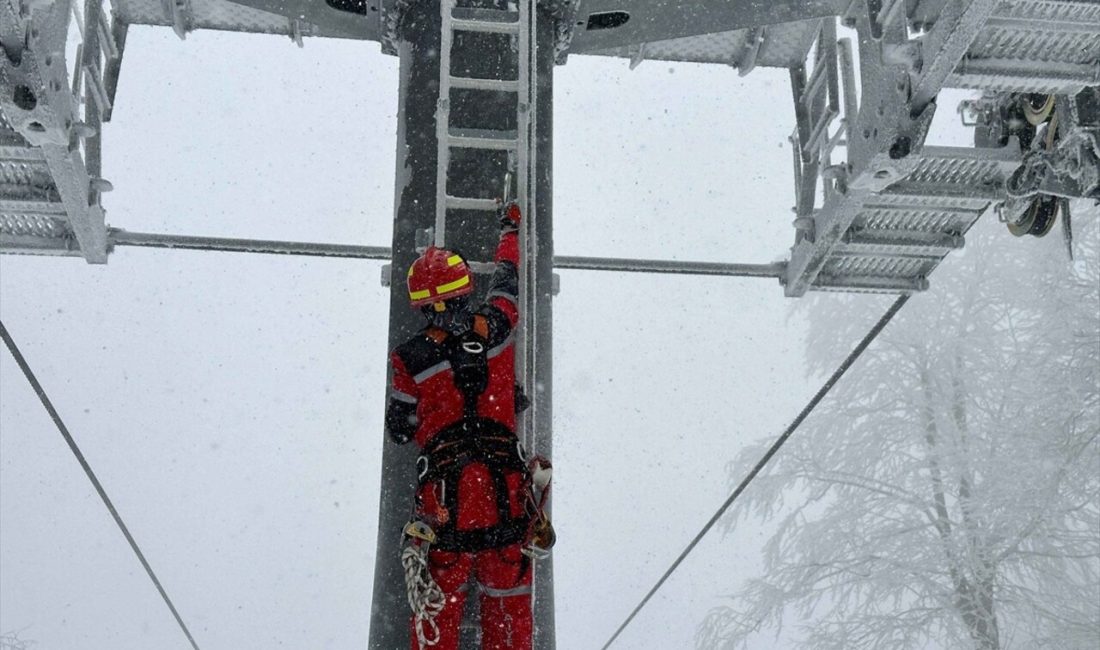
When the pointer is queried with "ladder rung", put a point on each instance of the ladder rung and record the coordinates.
(479, 26)
(502, 85)
(107, 38)
(485, 20)
(482, 139)
(482, 268)
(465, 203)
(817, 76)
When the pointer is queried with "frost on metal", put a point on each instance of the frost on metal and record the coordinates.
(49, 127)
(859, 143)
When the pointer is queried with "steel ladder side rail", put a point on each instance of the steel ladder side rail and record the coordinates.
(443, 120)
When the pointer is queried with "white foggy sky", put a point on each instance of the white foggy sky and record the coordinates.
(232, 404)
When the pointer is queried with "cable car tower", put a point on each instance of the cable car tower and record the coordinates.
(876, 208)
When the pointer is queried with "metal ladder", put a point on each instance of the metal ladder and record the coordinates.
(519, 24)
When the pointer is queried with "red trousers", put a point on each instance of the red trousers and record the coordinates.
(503, 579)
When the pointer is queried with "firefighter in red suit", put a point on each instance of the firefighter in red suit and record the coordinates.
(453, 392)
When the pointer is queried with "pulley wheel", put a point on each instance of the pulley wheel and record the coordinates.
(1037, 107)
(1039, 218)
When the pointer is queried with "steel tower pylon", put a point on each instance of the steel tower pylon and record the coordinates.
(476, 113)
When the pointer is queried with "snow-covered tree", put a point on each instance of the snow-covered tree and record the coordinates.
(11, 641)
(947, 493)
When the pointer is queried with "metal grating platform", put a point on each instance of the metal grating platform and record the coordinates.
(1029, 46)
(897, 237)
(51, 111)
(888, 216)
(32, 214)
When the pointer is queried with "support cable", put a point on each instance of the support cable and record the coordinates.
(837, 374)
(91, 475)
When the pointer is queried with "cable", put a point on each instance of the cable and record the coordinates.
(91, 475)
(837, 374)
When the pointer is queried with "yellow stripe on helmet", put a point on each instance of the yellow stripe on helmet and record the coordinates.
(419, 295)
(451, 286)
(454, 260)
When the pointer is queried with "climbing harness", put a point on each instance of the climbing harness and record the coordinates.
(473, 440)
(426, 598)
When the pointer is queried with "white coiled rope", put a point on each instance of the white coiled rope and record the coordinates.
(425, 596)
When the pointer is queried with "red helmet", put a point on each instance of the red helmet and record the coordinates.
(437, 275)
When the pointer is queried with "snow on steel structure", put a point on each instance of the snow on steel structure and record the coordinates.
(879, 218)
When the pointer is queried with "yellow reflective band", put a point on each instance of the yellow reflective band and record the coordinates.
(451, 286)
(454, 260)
(420, 295)
(410, 271)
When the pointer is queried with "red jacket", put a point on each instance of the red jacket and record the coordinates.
(478, 502)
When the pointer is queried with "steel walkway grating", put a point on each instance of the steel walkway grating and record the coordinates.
(899, 236)
(25, 169)
(31, 212)
(890, 219)
(1034, 46)
(29, 223)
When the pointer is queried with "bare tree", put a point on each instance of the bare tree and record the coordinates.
(11, 641)
(949, 490)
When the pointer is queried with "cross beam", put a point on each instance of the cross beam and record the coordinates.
(118, 237)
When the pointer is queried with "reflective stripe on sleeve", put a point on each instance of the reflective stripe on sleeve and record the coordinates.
(423, 375)
(501, 593)
(511, 297)
(402, 397)
(494, 351)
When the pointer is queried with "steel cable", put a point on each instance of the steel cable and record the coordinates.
(18, 356)
(779, 442)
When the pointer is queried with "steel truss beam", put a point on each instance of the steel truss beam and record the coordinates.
(49, 142)
(872, 222)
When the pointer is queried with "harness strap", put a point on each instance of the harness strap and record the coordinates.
(483, 441)
(480, 539)
(473, 439)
